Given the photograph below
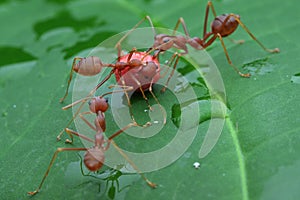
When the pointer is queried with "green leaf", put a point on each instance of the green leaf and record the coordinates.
(255, 157)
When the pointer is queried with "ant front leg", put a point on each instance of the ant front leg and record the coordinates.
(118, 45)
(181, 21)
(181, 41)
(71, 132)
(82, 101)
(208, 6)
(160, 106)
(229, 60)
(129, 102)
(141, 90)
(172, 62)
(237, 19)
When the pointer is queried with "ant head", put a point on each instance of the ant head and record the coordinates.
(98, 104)
(163, 42)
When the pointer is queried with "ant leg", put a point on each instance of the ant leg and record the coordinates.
(71, 132)
(89, 96)
(144, 96)
(160, 106)
(118, 133)
(151, 184)
(81, 115)
(169, 63)
(82, 101)
(142, 91)
(126, 94)
(110, 141)
(134, 50)
(126, 88)
(76, 102)
(209, 5)
(229, 60)
(211, 40)
(175, 57)
(130, 106)
(181, 21)
(101, 83)
(51, 164)
(127, 97)
(181, 41)
(70, 78)
(118, 45)
(276, 50)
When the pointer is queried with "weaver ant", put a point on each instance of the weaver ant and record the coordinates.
(136, 69)
(222, 26)
(139, 64)
(94, 156)
(141, 69)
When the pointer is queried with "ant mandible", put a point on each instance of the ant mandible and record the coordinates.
(222, 26)
(94, 156)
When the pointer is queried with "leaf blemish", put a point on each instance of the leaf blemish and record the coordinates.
(296, 78)
(260, 66)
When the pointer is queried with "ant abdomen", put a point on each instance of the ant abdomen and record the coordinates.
(149, 70)
(225, 24)
(88, 66)
(94, 158)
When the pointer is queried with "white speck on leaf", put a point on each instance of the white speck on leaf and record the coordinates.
(196, 165)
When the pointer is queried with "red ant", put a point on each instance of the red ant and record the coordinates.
(144, 69)
(144, 66)
(222, 26)
(96, 104)
(94, 156)
(136, 69)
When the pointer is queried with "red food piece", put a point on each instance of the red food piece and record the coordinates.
(144, 74)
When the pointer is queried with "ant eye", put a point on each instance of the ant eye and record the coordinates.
(106, 99)
(89, 103)
(165, 40)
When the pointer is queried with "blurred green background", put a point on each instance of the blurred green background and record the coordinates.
(259, 160)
